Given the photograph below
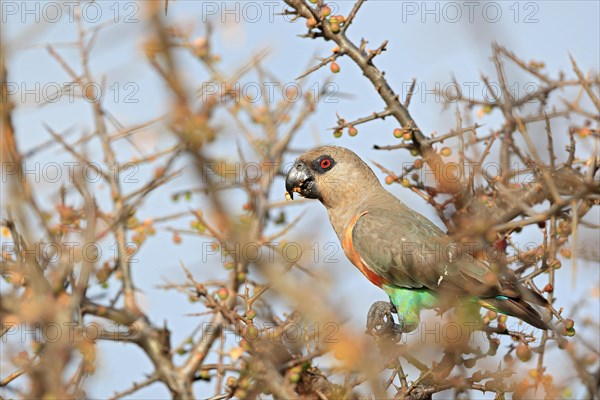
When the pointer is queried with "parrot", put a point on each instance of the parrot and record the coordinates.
(400, 250)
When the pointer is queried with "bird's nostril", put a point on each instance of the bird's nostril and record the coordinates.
(298, 166)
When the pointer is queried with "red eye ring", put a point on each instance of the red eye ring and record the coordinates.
(325, 163)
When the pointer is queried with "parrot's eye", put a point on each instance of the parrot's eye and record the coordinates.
(323, 164)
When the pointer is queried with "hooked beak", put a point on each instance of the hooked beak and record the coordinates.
(300, 180)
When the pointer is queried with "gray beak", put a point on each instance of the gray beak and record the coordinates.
(301, 180)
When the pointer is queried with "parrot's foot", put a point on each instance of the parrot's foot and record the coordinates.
(380, 322)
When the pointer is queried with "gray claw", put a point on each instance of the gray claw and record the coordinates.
(380, 321)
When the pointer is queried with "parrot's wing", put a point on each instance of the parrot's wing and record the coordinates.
(409, 251)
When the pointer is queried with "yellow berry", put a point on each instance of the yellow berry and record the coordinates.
(176, 238)
(523, 352)
(229, 265)
(311, 23)
(492, 315)
(231, 381)
(556, 264)
(565, 252)
(569, 323)
(223, 293)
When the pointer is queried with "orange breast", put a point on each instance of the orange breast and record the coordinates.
(353, 255)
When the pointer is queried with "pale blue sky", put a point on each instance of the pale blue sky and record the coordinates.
(420, 46)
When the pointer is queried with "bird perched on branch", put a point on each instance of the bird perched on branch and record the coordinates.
(398, 249)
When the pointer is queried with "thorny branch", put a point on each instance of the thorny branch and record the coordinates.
(476, 205)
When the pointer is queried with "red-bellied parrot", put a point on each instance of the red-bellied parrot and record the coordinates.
(398, 249)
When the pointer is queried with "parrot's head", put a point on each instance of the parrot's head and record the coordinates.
(330, 174)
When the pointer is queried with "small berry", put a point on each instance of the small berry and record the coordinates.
(334, 67)
(414, 152)
(231, 381)
(548, 288)
(204, 375)
(251, 313)
(223, 293)
(337, 133)
(311, 23)
(176, 238)
(469, 362)
(389, 179)
(534, 373)
(418, 163)
(398, 133)
(584, 132)
(405, 182)
(325, 12)
(251, 332)
(569, 324)
(335, 27)
(590, 359)
(352, 131)
(556, 264)
(566, 253)
(445, 151)
(523, 352)
(229, 265)
(407, 136)
(541, 224)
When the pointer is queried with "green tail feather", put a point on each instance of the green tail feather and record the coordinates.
(409, 304)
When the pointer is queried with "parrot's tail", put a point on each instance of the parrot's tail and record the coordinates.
(515, 308)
